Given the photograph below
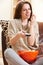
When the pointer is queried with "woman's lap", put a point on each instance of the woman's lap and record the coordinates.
(39, 61)
(11, 55)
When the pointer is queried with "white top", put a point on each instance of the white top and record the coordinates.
(13, 27)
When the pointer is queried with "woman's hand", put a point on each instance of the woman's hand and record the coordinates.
(33, 18)
(17, 36)
(22, 33)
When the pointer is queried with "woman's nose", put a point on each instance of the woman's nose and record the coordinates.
(28, 11)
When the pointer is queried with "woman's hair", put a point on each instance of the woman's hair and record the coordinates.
(19, 9)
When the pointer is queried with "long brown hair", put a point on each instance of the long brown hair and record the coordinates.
(19, 8)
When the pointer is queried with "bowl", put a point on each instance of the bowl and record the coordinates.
(28, 56)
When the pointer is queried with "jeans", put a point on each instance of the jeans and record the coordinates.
(14, 59)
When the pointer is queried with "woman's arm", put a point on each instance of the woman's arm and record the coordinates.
(13, 34)
(37, 34)
(31, 39)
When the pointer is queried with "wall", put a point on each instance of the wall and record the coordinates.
(5, 9)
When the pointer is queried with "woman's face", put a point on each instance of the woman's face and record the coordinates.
(26, 11)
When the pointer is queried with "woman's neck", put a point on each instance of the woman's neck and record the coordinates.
(24, 22)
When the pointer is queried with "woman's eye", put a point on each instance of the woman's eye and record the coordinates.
(24, 10)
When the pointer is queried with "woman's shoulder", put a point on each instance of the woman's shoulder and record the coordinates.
(14, 21)
(36, 23)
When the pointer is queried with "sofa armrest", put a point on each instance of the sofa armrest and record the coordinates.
(41, 38)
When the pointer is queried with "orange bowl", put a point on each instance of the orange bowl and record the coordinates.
(28, 56)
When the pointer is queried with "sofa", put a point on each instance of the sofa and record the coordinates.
(40, 24)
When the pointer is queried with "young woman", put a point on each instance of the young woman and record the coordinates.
(23, 30)
(23, 23)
